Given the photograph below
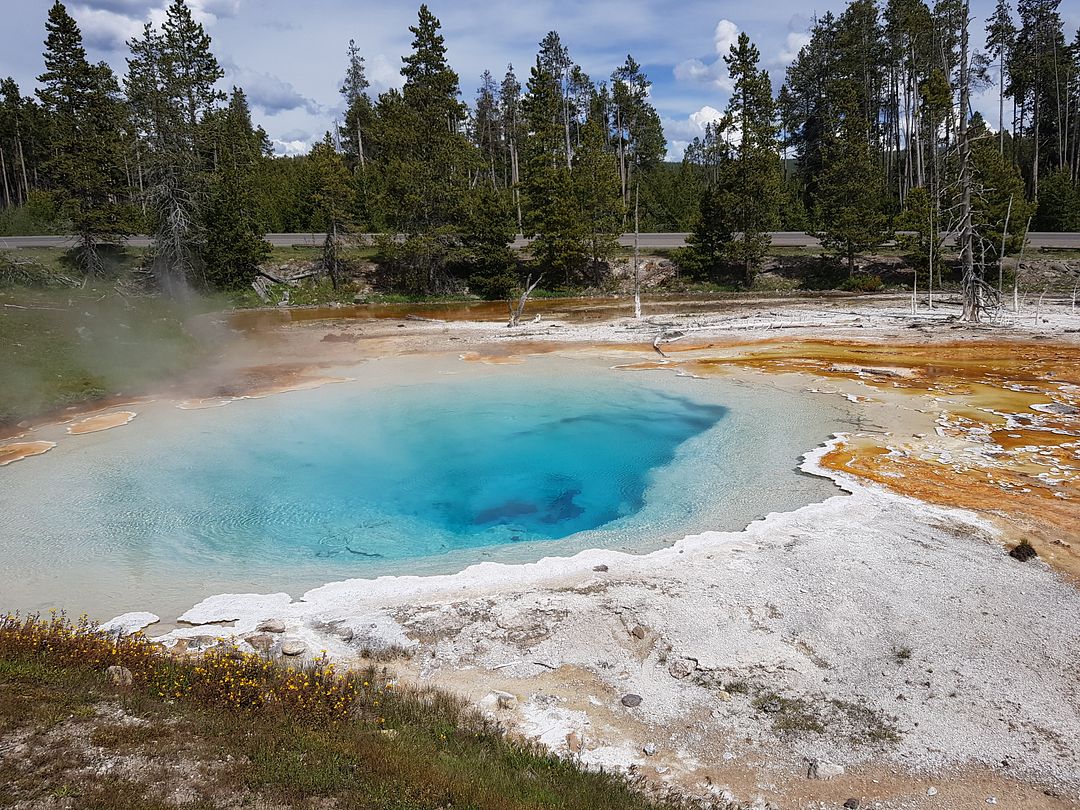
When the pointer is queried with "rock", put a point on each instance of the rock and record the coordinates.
(931, 791)
(128, 623)
(638, 632)
(292, 647)
(271, 626)
(345, 634)
(504, 700)
(824, 770)
(631, 700)
(852, 804)
(600, 568)
(119, 676)
(991, 800)
(723, 697)
(573, 742)
(681, 667)
(772, 706)
(1057, 408)
(260, 642)
(650, 749)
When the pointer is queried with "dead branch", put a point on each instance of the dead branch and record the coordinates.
(515, 313)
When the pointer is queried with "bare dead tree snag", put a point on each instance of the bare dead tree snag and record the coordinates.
(516, 312)
(972, 289)
(656, 344)
(1001, 255)
(637, 265)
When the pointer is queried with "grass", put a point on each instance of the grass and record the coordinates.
(250, 728)
(64, 345)
(858, 723)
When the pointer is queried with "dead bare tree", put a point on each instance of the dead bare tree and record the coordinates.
(516, 311)
(1019, 267)
(972, 289)
(637, 265)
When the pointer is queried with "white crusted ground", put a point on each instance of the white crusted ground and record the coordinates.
(868, 628)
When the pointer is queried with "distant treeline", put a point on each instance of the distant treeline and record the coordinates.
(868, 133)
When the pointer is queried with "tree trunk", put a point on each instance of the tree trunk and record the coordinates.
(3, 171)
(1001, 100)
(637, 267)
(971, 289)
(22, 162)
(360, 147)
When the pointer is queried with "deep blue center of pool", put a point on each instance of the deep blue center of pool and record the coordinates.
(410, 471)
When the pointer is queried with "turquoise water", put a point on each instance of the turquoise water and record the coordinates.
(414, 471)
(404, 471)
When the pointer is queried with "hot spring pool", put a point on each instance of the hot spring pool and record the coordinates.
(417, 466)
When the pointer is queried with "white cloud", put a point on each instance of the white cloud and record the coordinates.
(725, 35)
(104, 29)
(271, 94)
(291, 148)
(795, 42)
(715, 73)
(383, 74)
(684, 130)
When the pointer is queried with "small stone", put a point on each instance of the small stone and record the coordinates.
(852, 804)
(931, 791)
(631, 700)
(681, 667)
(573, 742)
(600, 568)
(638, 632)
(991, 800)
(292, 647)
(824, 770)
(118, 675)
(650, 749)
(772, 706)
(260, 642)
(271, 626)
(504, 700)
(723, 697)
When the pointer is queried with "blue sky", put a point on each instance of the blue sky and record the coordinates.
(290, 56)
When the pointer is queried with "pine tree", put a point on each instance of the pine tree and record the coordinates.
(752, 176)
(331, 200)
(487, 233)
(511, 121)
(596, 184)
(235, 246)
(82, 101)
(170, 85)
(425, 160)
(849, 205)
(639, 135)
(358, 107)
(552, 215)
(1000, 41)
(486, 128)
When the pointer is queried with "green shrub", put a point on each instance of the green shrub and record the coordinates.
(863, 282)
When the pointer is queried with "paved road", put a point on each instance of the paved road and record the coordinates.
(1059, 241)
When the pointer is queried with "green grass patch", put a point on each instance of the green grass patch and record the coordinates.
(279, 733)
(64, 345)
